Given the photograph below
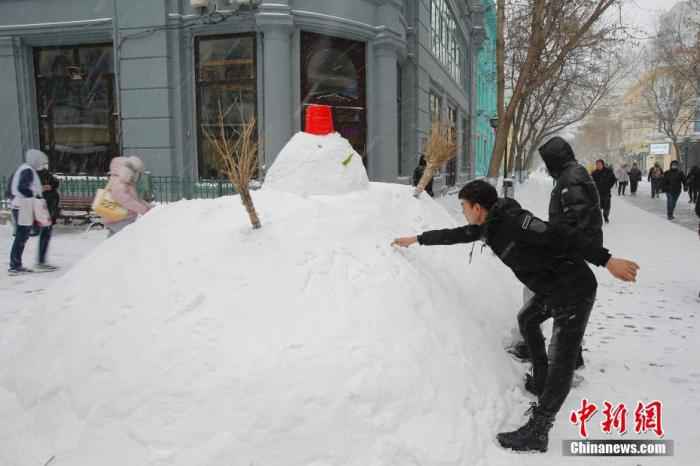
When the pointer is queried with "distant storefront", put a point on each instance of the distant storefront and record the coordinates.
(86, 83)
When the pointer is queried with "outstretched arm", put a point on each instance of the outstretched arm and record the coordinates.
(465, 234)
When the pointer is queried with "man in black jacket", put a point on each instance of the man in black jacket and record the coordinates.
(693, 182)
(49, 184)
(551, 261)
(673, 182)
(635, 175)
(655, 177)
(604, 179)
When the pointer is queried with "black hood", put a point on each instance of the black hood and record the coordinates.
(556, 153)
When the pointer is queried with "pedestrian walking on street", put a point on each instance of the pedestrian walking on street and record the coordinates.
(551, 261)
(693, 184)
(635, 175)
(25, 186)
(623, 179)
(697, 212)
(604, 179)
(49, 185)
(673, 182)
(655, 177)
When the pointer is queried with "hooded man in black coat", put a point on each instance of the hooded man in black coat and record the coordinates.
(604, 179)
(635, 175)
(574, 203)
(672, 184)
(550, 259)
(693, 184)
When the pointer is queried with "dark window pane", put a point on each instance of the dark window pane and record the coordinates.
(75, 100)
(226, 83)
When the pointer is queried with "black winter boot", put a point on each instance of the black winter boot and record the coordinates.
(532, 386)
(533, 436)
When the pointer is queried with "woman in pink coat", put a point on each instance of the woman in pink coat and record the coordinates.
(124, 174)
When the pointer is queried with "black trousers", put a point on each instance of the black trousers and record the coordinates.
(621, 187)
(559, 363)
(605, 204)
(633, 186)
(692, 194)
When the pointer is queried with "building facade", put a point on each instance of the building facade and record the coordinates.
(484, 136)
(86, 80)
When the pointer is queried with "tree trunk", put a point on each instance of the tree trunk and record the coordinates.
(499, 149)
(247, 201)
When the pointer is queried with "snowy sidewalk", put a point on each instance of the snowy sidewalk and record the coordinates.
(642, 341)
(684, 213)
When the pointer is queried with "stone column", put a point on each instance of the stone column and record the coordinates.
(10, 132)
(384, 156)
(276, 22)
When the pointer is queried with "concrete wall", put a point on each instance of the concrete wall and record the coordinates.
(145, 75)
(428, 74)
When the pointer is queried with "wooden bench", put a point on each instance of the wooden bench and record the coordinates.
(76, 208)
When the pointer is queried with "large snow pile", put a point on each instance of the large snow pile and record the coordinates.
(190, 339)
(309, 164)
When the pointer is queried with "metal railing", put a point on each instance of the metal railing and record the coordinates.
(162, 189)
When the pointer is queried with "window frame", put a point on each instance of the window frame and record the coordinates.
(446, 43)
(197, 87)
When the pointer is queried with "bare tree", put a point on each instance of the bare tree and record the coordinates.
(672, 98)
(555, 29)
(567, 99)
(677, 43)
(238, 154)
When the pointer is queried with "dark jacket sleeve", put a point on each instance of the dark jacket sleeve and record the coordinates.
(26, 179)
(560, 239)
(465, 234)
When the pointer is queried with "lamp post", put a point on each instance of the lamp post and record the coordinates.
(686, 149)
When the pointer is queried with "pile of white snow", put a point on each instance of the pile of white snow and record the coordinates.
(309, 165)
(190, 339)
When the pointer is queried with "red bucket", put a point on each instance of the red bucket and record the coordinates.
(319, 119)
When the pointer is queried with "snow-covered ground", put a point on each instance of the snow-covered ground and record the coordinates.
(20, 295)
(190, 340)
